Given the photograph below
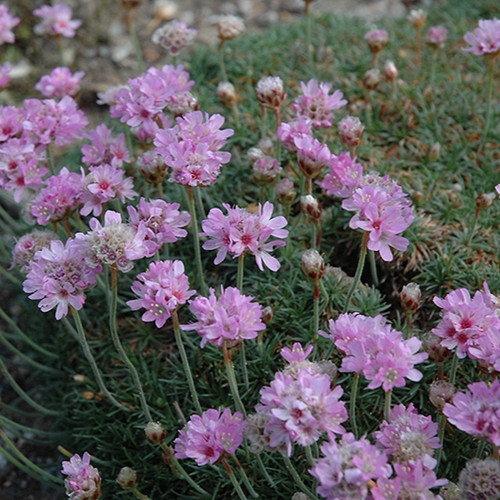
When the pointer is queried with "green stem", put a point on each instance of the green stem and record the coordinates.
(135, 42)
(26, 339)
(119, 347)
(298, 479)
(221, 62)
(453, 370)
(309, 456)
(231, 475)
(244, 476)
(23, 394)
(472, 229)
(199, 202)
(373, 267)
(441, 430)
(239, 278)
(231, 377)
(489, 96)
(352, 404)
(82, 338)
(316, 311)
(196, 239)
(359, 271)
(185, 362)
(387, 405)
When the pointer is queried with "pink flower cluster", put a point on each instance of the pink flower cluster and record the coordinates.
(232, 317)
(376, 350)
(471, 325)
(161, 289)
(288, 133)
(60, 82)
(7, 22)
(345, 175)
(207, 437)
(59, 275)
(347, 469)
(163, 221)
(383, 210)
(485, 39)
(301, 405)
(56, 21)
(192, 148)
(317, 104)
(477, 411)
(104, 148)
(83, 481)
(241, 231)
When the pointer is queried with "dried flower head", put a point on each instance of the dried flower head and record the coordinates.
(417, 17)
(174, 36)
(480, 479)
(127, 478)
(229, 27)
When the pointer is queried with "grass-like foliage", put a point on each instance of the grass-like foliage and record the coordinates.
(122, 292)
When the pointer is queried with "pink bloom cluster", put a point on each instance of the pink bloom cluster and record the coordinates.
(102, 184)
(83, 481)
(56, 21)
(408, 436)
(149, 95)
(377, 39)
(347, 469)
(163, 221)
(485, 39)
(289, 133)
(376, 350)
(383, 210)
(60, 196)
(104, 148)
(477, 411)
(436, 36)
(301, 405)
(207, 437)
(241, 231)
(471, 325)
(28, 245)
(232, 317)
(345, 175)
(59, 275)
(161, 289)
(192, 148)
(60, 82)
(317, 104)
(7, 22)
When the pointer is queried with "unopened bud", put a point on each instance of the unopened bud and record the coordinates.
(350, 130)
(265, 170)
(485, 200)
(377, 40)
(431, 344)
(254, 154)
(127, 478)
(229, 27)
(390, 71)
(155, 433)
(435, 151)
(441, 392)
(285, 191)
(371, 78)
(270, 91)
(410, 297)
(300, 496)
(311, 207)
(417, 17)
(227, 94)
(79, 378)
(267, 315)
(312, 264)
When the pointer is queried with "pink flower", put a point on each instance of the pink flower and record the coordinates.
(103, 184)
(348, 468)
(485, 39)
(163, 221)
(312, 156)
(174, 36)
(28, 245)
(344, 177)
(316, 103)
(240, 232)
(104, 148)
(56, 21)
(299, 127)
(207, 437)
(83, 481)
(477, 411)
(60, 82)
(350, 130)
(59, 275)
(296, 353)
(11, 122)
(416, 480)
(270, 91)
(232, 317)
(436, 36)
(60, 197)
(377, 39)
(7, 22)
(163, 288)
(301, 408)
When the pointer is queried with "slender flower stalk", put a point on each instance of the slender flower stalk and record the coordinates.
(231, 377)
(196, 238)
(244, 476)
(82, 338)
(352, 403)
(298, 480)
(119, 347)
(373, 267)
(387, 405)
(453, 369)
(489, 96)
(185, 362)
(237, 487)
(359, 271)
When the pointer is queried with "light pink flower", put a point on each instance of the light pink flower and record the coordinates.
(163, 288)
(104, 148)
(485, 39)
(83, 481)
(60, 82)
(436, 36)
(287, 133)
(344, 177)
(28, 245)
(56, 21)
(7, 22)
(377, 39)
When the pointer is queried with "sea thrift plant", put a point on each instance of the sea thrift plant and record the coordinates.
(56, 20)
(83, 480)
(60, 82)
(485, 39)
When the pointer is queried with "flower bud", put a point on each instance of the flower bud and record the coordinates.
(441, 392)
(435, 151)
(155, 433)
(265, 170)
(372, 78)
(267, 315)
(351, 129)
(312, 264)
(485, 200)
(229, 27)
(227, 94)
(410, 297)
(311, 207)
(436, 36)
(127, 478)
(152, 167)
(377, 40)
(417, 17)
(300, 496)
(390, 71)
(432, 346)
(285, 192)
(254, 154)
(270, 91)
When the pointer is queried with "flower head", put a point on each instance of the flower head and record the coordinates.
(7, 22)
(485, 39)
(56, 21)
(229, 27)
(350, 130)
(83, 481)
(28, 245)
(174, 36)
(270, 91)
(377, 39)
(480, 479)
(436, 36)
(60, 82)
